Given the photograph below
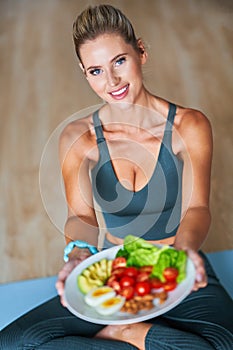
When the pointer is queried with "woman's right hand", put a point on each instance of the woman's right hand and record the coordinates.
(66, 270)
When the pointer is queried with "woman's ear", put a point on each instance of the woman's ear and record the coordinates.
(82, 68)
(142, 51)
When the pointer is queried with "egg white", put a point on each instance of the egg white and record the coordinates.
(98, 295)
(111, 305)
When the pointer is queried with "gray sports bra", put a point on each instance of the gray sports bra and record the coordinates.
(153, 212)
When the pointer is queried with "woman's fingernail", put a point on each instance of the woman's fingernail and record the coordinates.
(199, 277)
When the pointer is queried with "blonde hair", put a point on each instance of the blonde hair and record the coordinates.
(101, 19)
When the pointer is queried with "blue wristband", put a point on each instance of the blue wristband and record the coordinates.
(80, 244)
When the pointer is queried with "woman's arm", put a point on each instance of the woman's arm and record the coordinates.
(81, 223)
(75, 149)
(196, 152)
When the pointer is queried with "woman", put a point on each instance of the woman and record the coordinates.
(149, 163)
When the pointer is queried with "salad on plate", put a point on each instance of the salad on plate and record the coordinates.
(139, 277)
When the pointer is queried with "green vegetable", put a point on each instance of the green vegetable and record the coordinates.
(132, 243)
(142, 257)
(122, 252)
(181, 265)
(94, 275)
(164, 261)
(139, 252)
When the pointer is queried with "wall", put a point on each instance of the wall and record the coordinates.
(190, 50)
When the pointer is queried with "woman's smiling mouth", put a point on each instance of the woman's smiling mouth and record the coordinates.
(120, 93)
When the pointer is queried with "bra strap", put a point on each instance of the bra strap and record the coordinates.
(167, 139)
(171, 116)
(98, 127)
(99, 130)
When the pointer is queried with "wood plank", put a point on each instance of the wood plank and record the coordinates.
(190, 49)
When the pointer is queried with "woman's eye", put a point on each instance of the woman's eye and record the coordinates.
(95, 71)
(120, 61)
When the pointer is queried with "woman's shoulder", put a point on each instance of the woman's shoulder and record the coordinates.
(191, 120)
(77, 136)
(76, 128)
(185, 117)
(193, 126)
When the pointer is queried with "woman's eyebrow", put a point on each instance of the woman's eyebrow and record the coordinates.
(118, 56)
(112, 60)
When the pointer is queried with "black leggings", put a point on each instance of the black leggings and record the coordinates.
(204, 320)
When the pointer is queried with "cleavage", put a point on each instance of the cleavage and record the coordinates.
(133, 163)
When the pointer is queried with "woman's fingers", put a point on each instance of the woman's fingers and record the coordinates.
(201, 277)
(66, 270)
(62, 276)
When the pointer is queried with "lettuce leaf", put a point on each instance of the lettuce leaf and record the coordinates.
(163, 262)
(132, 243)
(142, 256)
(139, 252)
(122, 252)
(181, 262)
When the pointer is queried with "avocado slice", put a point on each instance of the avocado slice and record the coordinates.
(85, 285)
(109, 267)
(90, 276)
(103, 265)
(94, 275)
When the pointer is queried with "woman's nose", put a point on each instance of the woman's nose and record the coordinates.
(113, 79)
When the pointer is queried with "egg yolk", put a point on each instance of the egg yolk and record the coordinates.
(111, 302)
(100, 292)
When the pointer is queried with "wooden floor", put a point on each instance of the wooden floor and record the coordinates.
(190, 49)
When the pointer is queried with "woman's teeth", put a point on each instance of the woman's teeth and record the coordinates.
(119, 92)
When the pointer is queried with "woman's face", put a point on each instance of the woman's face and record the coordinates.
(113, 68)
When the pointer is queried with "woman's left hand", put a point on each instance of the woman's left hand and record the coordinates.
(201, 277)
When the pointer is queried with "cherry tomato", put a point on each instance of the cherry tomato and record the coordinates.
(118, 272)
(155, 283)
(169, 285)
(126, 281)
(147, 269)
(120, 261)
(170, 273)
(114, 283)
(142, 288)
(127, 292)
(131, 271)
(142, 276)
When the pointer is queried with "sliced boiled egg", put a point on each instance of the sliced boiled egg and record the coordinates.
(98, 295)
(110, 306)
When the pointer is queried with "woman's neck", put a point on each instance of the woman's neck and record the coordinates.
(151, 110)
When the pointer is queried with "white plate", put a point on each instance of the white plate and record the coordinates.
(76, 304)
